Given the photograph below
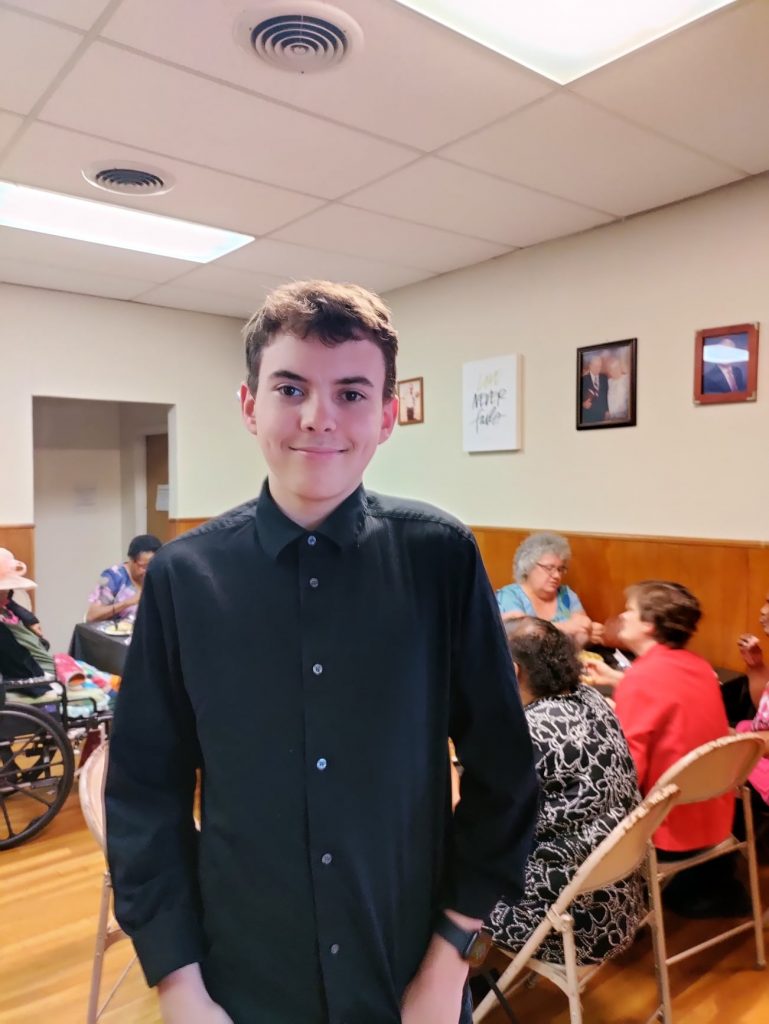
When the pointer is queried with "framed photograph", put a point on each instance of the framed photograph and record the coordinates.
(726, 364)
(491, 404)
(606, 385)
(411, 401)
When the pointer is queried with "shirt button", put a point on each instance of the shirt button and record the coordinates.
(312, 540)
(334, 949)
(321, 764)
(326, 859)
(313, 582)
(317, 669)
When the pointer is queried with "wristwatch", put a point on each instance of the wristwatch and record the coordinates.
(471, 946)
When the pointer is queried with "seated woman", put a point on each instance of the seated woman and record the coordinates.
(668, 703)
(588, 785)
(539, 566)
(758, 677)
(24, 652)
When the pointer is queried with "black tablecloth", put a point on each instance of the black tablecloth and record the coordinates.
(97, 648)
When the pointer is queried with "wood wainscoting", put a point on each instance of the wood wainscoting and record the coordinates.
(730, 578)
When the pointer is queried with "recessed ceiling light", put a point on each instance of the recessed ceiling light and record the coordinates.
(564, 39)
(51, 213)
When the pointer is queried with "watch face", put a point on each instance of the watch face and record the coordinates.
(478, 949)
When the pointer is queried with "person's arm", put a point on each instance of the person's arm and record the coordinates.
(105, 606)
(640, 711)
(758, 672)
(494, 821)
(151, 836)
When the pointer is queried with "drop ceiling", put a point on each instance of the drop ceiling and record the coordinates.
(419, 154)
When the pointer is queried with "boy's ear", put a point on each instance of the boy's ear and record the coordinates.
(389, 418)
(248, 408)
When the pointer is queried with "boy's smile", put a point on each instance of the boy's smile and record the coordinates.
(318, 414)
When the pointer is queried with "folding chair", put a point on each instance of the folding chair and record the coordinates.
(91, 791)
(618, 856)
(709, 771)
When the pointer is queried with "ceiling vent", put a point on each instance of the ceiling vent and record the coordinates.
(304, 37)
(128, 181)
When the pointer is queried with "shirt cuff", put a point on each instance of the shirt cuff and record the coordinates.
(171, 940)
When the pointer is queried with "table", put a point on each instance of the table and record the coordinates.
(91, 644)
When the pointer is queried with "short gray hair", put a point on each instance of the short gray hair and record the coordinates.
(536, 546)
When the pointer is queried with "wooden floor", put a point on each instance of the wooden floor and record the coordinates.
(49, 895)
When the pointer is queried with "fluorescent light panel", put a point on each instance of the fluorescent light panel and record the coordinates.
(564, 39)
(50, 213)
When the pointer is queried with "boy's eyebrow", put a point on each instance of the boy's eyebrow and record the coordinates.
(346, 381)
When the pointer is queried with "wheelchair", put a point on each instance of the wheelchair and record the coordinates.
(39, 748)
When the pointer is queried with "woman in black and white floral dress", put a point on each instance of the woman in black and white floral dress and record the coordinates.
(588, 785)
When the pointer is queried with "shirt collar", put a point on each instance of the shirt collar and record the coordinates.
(276, 531)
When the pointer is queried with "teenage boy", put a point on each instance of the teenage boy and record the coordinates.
(310, 653)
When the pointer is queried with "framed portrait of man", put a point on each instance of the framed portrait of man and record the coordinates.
(606, 385)
(726, 364)
(411, 404)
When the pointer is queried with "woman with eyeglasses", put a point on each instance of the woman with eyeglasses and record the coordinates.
(539, 567)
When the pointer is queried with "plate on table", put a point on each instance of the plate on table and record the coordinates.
(124, 629)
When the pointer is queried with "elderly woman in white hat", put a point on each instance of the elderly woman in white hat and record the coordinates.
(24, 653)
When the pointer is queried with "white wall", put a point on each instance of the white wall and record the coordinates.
(684, 470)
(78, 513)
(76, 346)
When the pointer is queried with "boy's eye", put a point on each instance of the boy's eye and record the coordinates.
(353, 396)
(289, 390)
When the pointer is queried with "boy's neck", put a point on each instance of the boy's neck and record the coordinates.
(307, 514)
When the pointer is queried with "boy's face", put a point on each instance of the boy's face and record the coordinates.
(318, 414)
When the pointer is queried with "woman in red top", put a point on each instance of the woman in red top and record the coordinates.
(669, 702)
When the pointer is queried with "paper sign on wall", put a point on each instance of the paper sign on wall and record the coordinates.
(491, 416)
(161, 499)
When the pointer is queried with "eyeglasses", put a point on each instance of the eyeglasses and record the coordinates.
(553, 570)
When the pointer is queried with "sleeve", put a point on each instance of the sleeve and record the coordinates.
(24, 615)
(761, 721)
(102, 593)
(154, 753)
(509, 599)
(493, 825)
(640, 715)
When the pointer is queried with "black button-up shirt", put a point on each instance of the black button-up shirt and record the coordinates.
(314, 677)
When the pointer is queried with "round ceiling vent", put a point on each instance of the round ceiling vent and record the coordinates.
(128, 181)
(304, 37)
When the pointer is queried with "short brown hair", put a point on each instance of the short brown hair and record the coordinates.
(672, 609)
(332, 313)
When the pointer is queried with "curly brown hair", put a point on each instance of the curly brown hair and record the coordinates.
(546, 655)
(332, 313)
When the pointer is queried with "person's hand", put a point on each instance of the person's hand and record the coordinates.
(587, 404)
(600, 672)
(432, 999)
(596, 632)
(577, 626)
(184, 999)
(750, 649)
(37, 629)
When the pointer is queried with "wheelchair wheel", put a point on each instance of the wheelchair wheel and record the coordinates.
(37, 767)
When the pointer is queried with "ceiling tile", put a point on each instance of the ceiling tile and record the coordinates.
(175, 296)
(360, 233)
(78, 13)
(412, 80)
(444, 195)
(32, 53)
(240, 284)
(67, 279)
(175, 112)
(32, 246)
(8, 125)
(612, 165)
(300, 263)
(707, 86)
(53, 158)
